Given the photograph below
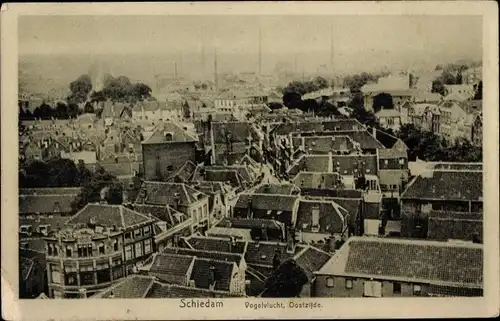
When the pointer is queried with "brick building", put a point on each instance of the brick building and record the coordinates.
(166, 151)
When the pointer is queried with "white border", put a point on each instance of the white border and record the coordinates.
(235, 308)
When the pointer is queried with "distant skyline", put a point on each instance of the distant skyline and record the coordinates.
(360, 42)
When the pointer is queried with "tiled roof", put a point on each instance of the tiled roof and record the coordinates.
(215, 244)
(311, 260)
(320, 180)
(213, 255)
(163, 213)
(332, 217)
(455, 225)
(131, 287)
(163, 193)
(54, 222)
(446, 185)
(163, 291)
(262, 253)
(172, 264)
(45, 203)
(419, 261)
(50, 191)
(391, 153)
(109, 215)
(178, 135)
(282, 189)
(234, 131)
(248, 223)
(272, 202)
(223, 274)
(185, 172)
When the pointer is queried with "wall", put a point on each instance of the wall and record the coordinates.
(174, 154)
(357, 291)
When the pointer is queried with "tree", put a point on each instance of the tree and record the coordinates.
(80, 89)
(479, 91)
(274, 105)
(61, 173)
(62, 110)
(286, 281)
(72, 110)
(382, 100)
(89, 108)
(438, 87)
(92, 188)
(448, 78)
(291, 97)
(459, 79)
(97, 96)
(47, 112)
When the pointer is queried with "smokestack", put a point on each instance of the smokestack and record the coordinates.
(331, 50)
(216, 79)
(260, 51)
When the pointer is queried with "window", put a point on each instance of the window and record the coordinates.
(401, 161)
(348, 284)
(372, 289)
(396, 288)
(55, 274)
(147, 246)
(386, 162)
(329, 282)
(56, 250)
(417, 289)
(101, 248)
(137, 233)
(128, 252)
(146, 230)
(71, 278)
(50, 249)
(138, 249)
(128, 236)
(68, 251)
(115, 245)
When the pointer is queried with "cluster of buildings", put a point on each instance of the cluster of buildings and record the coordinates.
(221, 205)
(456, 114)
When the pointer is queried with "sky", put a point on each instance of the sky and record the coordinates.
(374, 41)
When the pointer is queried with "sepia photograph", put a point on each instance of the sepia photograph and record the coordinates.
(287, 160)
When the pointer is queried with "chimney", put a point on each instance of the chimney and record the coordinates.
(212, 277)
(290, 241)
(177, 199)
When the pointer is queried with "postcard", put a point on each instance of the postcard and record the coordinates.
(244, 160)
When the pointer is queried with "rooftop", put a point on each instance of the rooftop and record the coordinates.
(108, 215)
(431, 262)
(169, 133)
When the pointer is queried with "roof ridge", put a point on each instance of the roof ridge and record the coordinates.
(121, 216)
(415, 242)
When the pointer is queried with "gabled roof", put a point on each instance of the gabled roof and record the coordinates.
(164, 213)
(273, 202)
(131, 287)
(213, 255)
(439, 263)
(185, 172)
(46, 203)
(164, 193)
(172, 264)
(215, 244)
(235, 131)
(312, 260)
(282, 189)
(176, 133)
(109, 215)
(391, 153)
(249, 223)
(446, 185)
(223, 272)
